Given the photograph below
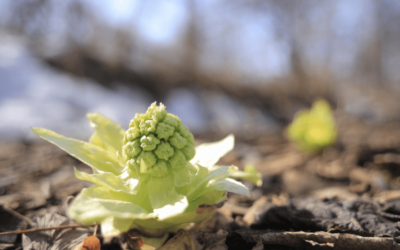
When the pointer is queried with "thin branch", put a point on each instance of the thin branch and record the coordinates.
(43, 229)
(339, 241)
(16, 214)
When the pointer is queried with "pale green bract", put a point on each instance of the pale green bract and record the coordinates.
(148, 177)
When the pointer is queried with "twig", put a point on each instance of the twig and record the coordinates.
(16, 214)
(390, 216)
(95, 229)
(339, 241)
(43, 229)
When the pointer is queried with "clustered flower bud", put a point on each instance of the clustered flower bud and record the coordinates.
(157, 142)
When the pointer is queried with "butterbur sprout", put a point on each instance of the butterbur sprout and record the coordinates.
(149, 177)
(313, 130)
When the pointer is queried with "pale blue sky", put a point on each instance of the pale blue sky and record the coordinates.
(159, 21)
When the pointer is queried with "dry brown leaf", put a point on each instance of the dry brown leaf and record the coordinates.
(136, 243)
(253, 213)
(10, 222)
(53, 239)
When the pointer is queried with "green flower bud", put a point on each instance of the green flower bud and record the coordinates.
(172, 120)
(134, 166)
(149, 143)
(147, 126)
(189, 151)
(160, 169)
(157, 142)
(131, 134)
(149, 158)
(178, 141)
(131, 149)
(178, 160)
(135, 122)
(164, 130)
(164, 151)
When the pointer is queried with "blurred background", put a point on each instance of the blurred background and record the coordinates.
(243, 67)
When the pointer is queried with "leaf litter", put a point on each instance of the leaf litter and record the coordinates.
(66, 239)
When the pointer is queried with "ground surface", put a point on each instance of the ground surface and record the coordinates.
(347, 197)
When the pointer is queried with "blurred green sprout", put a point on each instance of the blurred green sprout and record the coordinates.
(313, 130)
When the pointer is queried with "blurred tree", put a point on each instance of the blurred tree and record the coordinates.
(224, 46)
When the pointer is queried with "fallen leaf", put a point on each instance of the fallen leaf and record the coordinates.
(66, 239)
(10, 222)
(136, 243)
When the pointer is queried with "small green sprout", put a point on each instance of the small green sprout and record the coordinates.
(313, 130)
(149, 177)
(250, 173)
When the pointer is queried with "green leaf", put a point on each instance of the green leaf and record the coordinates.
(193, 212)
(92, 155)
(208, 154)
(192, 168)
(166, 202)
(223, 184)
(115, 226)
(216, 175)
(111, 181)
(197, 174)
(208, 198)
(250, 174)
(96, 203)
(96, 140)
(231, 185)
(181, 177)
(109, 131)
